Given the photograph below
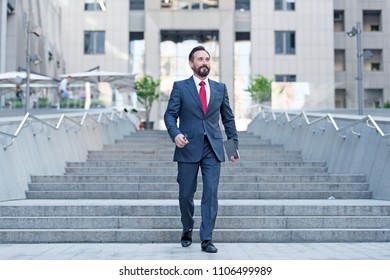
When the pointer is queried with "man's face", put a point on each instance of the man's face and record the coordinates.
(201, 64)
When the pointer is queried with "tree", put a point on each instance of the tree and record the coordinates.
(146, 88)
(260, 89)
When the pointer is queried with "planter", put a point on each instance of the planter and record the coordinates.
(148, 125)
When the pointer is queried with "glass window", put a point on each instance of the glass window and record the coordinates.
(278, 5)
(285, 78)
(95, 5)
(373, 98)
(94, 42)
(279, 45)
(242, 75)
(372, 21)
(338, 21)
(340, 98)
(339, 60)
(243, 5)
(287, 5)
(175, 47)
(285, 42)
(373, 60)
(290, 5)
(189, 4)
(290, 42)
(137, 53)
(137, 4)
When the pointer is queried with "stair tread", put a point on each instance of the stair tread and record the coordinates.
(68, 203)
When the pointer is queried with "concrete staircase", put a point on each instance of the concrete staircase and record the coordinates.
(128, 193)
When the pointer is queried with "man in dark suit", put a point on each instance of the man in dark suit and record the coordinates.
(199, 103)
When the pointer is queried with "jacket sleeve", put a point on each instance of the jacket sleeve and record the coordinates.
(228, 119)
(173, 111)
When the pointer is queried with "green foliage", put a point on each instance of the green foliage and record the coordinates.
(43, 103)
(146, 88)
(260, 89)
(386, 104)
(17, 104)
(97, 104)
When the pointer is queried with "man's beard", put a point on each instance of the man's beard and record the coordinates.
(203, 71)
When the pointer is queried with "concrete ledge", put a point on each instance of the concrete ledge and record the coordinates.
(358, 151)
(48, 151)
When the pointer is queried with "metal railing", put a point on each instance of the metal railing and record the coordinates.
(278, 117)
(103, 118)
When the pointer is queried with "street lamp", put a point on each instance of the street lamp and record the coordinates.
(357, 31)
(34, 58)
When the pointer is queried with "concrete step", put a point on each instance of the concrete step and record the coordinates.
(173, 236)
(137, 221)
(128, 193)
(152, 151)
(241, 164)
(158, 187)
(237, 208)
(221, 195)
(224, 178)
(165, 157)
(173, 222)
(173, 170)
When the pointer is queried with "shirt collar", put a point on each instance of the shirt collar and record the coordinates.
(197, 80)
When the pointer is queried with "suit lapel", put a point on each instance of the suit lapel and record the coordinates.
(213, 92)
(193, 90)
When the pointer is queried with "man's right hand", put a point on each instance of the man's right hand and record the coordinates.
(181, 140)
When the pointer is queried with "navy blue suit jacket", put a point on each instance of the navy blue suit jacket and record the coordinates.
(184, 115)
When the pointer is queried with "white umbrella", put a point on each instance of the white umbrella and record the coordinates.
(19, 77)
(117, 79)
(35, 85)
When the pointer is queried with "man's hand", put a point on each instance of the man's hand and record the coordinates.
(181, 140)
(234, 159)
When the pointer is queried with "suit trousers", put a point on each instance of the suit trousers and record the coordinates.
(187, 178)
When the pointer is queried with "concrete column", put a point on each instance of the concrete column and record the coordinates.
(226, 59)
(3, 34)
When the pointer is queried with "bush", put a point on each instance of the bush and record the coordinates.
(260, 89)
(44, 103)
(17, 104)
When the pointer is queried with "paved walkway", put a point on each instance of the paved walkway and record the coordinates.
(236, 251)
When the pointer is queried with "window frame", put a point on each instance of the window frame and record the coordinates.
(284, 5)
(136, 5)
(95, 6)
(285, 42)
(96, 48)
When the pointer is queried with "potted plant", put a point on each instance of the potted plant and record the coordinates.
(146, 89)
(260, 89)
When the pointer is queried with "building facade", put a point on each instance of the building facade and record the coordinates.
(301, 41)
(372, 16)
(30, 33)
(41, 19)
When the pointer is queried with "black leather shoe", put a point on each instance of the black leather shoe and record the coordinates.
(208, 247)
(186, 238)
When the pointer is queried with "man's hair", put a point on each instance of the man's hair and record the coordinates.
(194, 50)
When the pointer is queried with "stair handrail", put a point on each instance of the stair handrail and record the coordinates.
(61, 122)
(375, 125)
(84, 118)
(100, 118)
(369, 120)
(18, 129)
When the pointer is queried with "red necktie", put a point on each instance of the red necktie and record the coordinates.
(202, 96)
